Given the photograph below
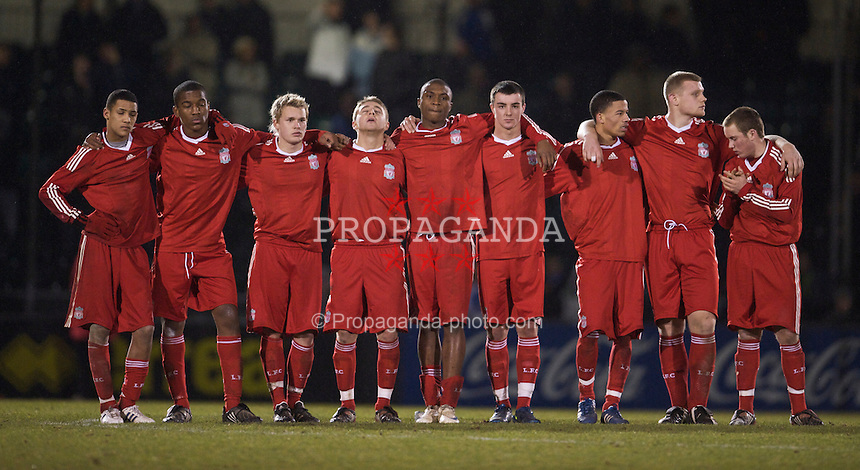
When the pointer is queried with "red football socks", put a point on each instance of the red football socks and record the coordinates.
(498, 366)
(272, 356)
(230, 355)
(99, 356)
(173, 361)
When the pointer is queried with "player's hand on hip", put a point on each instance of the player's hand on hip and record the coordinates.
(100, 224)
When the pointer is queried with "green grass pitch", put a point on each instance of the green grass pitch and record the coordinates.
(46, 434)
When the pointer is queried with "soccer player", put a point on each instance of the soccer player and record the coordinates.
(681, 156)
(762, 209)
(199, 165)
(285, 178)
(510, 261)
(446, 206)
(111, 288)
(368, 281)
(604, 213)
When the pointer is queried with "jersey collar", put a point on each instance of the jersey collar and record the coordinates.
(193, 141)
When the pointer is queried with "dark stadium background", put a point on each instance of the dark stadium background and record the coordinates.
(794, 61)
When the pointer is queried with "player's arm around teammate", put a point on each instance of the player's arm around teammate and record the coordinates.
(110, 287)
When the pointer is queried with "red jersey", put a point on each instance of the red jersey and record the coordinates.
(513, 199)
(286, 191)
(603, 208)
(197, 183)
(769, 208)
(443, 169)
(680, 167)
(366, 198)
(114, 180)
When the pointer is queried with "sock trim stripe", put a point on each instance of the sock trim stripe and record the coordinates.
(301, 348)
(795, 391)
(275, 385)
(528, 341)
(172, 339)
(613, 393)
(344, 347)
(791, 347)
(671, 341)
(388, 345)
(228, 340)
(347, 394)
(136, 364)
(106, 400)
(384, 392)
(292, 389)
(696, 339)
(746, 393)
(749, 346)
(586, 382)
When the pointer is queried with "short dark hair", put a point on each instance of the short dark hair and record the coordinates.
(745, 118)
(675, 80)
(508, 87)
(187, 85)
(435, 80)
(120, 94)
(601, 100)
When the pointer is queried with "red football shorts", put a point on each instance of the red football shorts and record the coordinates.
(368, 289)
(110, 287)
(284, 289)
(611, 297)
(440, 274)
(195, 280)
(763, 286)
(683, 277)
(511, 290)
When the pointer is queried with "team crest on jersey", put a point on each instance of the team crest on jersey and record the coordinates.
(767, 189)
(388, 172)
(253, 314)
(634, 164)
(703, 150)
(532, 155)
(79, 313)
(314, 162)
(224, 155)
(456, 137)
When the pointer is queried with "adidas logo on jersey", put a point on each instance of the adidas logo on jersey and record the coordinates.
(508, 154)
(199, 152)
(289, 160)
(612, 156)
(365, 160)
(130, 156)
(679, 141)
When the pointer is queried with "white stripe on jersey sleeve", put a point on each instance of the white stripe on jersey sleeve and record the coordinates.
(769, 204)
(73, 163)
(60, 202)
